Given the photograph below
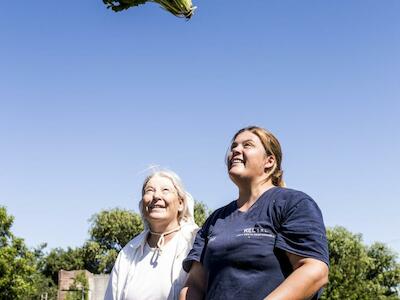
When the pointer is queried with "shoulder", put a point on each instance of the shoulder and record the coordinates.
(290, 197)
(287, 194)
(287, 202)
(223, 211)
(219, 213)
(188, 232)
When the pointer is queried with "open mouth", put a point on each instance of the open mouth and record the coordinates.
(236, 161)
(155, 206)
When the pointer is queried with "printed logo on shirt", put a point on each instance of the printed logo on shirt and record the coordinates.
(256, 231)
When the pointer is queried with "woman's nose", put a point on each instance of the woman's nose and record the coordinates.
(157, 194)
(236, 150)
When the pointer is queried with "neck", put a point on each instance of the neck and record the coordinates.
(161, 226)
(249, 193)
(156, 230)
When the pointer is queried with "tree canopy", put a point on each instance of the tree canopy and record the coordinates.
(113, 229)
(19, 269)
(358, 271)
(201, 212)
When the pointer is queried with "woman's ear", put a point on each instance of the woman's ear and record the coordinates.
(181, 206)
(269, 162)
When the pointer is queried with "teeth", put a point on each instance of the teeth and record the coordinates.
(237, 160)
(157, 206)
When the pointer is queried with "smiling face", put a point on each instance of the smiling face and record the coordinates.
(161, 203)
(247, 159)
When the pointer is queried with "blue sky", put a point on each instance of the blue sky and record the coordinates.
(90, 98)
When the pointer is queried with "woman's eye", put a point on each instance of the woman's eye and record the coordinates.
(247, 145)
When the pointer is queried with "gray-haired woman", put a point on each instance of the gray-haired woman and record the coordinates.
(150, 265)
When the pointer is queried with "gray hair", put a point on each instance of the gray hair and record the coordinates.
(186, 216)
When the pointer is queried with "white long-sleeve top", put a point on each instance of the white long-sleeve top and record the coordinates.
(129, 257)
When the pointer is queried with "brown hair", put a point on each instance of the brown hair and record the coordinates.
(272, 147)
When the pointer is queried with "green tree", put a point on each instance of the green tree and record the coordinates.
(110, 231)
(358, 271)
(97, 258)
(201, 212)
(44, 284)
(19, 275)
(384, 270)
(60, 259)
(114, 228)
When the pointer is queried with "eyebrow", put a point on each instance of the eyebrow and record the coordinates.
(248, 140)
(161, 187)
(245, 141)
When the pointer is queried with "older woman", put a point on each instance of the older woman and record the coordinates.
(269, 243)
(150, 265)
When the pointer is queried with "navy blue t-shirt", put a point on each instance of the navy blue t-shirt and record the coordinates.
(244, 253)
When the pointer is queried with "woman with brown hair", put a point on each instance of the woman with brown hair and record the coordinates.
(269, 243)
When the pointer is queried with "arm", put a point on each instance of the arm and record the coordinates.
(308, 277)
(196, 283)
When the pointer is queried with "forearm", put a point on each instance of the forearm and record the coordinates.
(195, 286)
(190, 292)
(303, 283)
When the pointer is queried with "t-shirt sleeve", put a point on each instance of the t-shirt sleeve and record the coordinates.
(302, 230)
(196, 252)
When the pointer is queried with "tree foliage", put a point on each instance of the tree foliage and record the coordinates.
(201, 213)
(60, 259)
(19, 274)
(109, 232)
(358, 271)
(113, 229)
(384, 270)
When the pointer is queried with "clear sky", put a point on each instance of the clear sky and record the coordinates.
(90, 98)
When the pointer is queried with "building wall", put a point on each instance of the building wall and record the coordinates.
(99, 286)
(97, 283)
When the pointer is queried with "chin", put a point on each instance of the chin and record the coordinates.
(233, 171)
(235, 177)
(157, 214)
(156, 217)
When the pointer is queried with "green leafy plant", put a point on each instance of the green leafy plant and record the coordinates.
(201, 213)
(179, 8)
(358, 271)
(79, 289)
